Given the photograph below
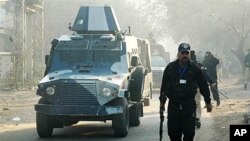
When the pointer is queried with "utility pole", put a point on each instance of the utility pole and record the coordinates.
(23, 40)
(19, 37)
(29, 34)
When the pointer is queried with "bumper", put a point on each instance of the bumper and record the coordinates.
(78, 110)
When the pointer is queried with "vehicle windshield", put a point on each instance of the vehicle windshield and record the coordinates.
(158, 61)
(69, 56)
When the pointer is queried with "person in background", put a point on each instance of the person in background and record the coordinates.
(198, 95)
(179, 85)
(247, 71)
(210, 63)
(219, 69)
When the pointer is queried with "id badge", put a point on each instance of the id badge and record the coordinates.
(182, 81)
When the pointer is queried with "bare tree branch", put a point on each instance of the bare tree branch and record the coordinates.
(233, 27)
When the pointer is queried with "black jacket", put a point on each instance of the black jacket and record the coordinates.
(210, 64)
(204, 72)
(193, 77)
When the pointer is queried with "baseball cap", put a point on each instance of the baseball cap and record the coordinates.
(184, 47)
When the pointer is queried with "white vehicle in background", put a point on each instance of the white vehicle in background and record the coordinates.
(158, 66)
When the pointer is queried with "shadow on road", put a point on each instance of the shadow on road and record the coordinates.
(82, 131)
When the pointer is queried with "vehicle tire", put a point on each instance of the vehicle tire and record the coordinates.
(136, 84)
(43, 125)
(120, 123)
(135, 114)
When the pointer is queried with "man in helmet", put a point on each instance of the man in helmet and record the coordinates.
(179, 85)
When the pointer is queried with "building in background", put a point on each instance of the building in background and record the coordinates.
(22, 34)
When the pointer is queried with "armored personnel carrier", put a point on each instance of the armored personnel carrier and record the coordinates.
(96, 74)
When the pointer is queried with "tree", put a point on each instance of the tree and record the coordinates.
(211, 25)
(238, 25)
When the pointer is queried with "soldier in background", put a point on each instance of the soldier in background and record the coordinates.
(198, 95)
(247, 71)
(210, 63)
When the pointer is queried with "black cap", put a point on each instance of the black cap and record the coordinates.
(184, 47)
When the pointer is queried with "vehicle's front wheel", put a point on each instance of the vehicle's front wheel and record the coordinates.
(43, 125)
(120, 123)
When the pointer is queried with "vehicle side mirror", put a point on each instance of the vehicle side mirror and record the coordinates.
(134, 61)
(46, 59)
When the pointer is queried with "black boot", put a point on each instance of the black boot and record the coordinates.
(198, 123)
(217, 103)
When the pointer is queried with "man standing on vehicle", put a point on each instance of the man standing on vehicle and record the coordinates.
(247, 65)
(210, 63)
(179, 85)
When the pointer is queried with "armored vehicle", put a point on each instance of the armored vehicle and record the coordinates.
(96, 74)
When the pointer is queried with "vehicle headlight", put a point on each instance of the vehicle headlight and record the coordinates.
(50, 90)
(106, 92)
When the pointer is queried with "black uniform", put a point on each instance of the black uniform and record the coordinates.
(204, 72)
(180, 86)
(210, 63)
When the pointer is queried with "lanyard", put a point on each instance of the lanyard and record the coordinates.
(182, 71)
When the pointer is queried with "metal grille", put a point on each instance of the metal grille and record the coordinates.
(77, 94)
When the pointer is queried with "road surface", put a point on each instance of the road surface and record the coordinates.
(17, 120)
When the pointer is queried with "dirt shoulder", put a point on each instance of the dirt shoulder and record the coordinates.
(17, 107)
(216, 125)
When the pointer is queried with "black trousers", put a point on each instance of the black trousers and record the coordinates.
(181, 121)
(215, 92)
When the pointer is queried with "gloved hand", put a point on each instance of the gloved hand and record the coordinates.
(213, 85)
(209, 107)
(162, 107)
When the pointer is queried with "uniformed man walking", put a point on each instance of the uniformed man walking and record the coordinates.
(210, 62)
(198, 95)
(179, 85)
